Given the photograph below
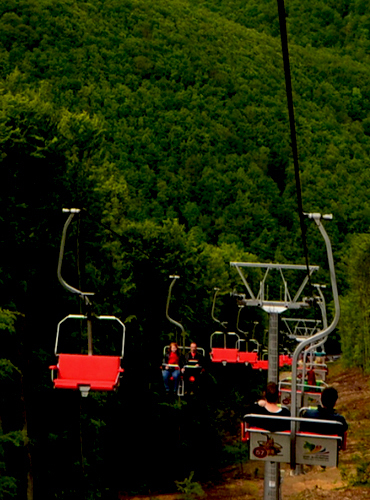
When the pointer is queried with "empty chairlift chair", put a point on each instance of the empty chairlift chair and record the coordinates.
(225, 354)
(87, 372)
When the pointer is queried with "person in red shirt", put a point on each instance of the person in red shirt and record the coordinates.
(171, 367)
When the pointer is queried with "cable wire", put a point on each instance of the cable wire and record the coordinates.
(293, 135)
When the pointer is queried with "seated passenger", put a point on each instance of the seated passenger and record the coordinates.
(194, 363)
(171, 366)
(194, 357)
(269, 406)
(326, 411)
(311, 378)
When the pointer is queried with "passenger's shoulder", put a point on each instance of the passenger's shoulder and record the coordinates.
(311, 414)
(285, 412)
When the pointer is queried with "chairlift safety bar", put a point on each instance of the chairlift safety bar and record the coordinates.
(291, 419)
(83, 316)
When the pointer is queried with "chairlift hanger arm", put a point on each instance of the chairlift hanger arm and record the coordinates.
(322, 303)
(237, 321)
(72, 212)
(222, 323)
(176, 323)
(324, 333)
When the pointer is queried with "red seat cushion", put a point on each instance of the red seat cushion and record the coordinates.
(219, 354)
(98, 372)
(248, 357)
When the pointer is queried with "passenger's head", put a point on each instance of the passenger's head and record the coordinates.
(193, 347)
(173, 346)
(329, 397)
(272, 393)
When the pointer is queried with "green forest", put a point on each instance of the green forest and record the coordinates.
(167, 124)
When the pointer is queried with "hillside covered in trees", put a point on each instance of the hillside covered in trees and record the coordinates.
(167, 123)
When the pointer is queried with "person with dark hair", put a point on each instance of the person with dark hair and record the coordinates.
(269, 406)
(194, 356)
(325, 411)
(171, 366)
(193, 366)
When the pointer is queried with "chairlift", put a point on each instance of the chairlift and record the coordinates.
(250, 355)
(224, 354)
(89, 371)
(310, 448)
(285, 360)
(320, 370)
(191, 365)
(311, 393)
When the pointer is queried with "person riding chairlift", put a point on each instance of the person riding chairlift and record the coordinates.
(172, 365)
(268, 405)
(194, 365)
(325, 411)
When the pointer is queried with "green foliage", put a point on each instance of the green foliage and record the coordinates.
(190, 489)
(194, 133)
(7, 372)
(17, 438)
(355, 305)
(167, 122)
(7, 320)
(8, 486)
(362, 475)
(10, 415)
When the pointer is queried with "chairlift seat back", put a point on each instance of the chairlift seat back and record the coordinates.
(311, 449)
(269, 446)
(261, 364)
(248, 357)
(222, 355)
(314, 449)
(285, 360)
(98, 372)
(286, 397)
(311, 398)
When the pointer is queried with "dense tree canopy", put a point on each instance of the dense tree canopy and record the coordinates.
(167, 123)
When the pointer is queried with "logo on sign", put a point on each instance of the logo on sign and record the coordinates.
(267, 448)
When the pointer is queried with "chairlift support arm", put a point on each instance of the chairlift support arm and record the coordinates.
(72, 212)
(176, 323)
(320, 335)
(223, 324)
(84, 295)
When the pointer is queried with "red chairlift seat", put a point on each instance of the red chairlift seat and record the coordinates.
(87, 371)
(98, 373)
(261, 364)
(248, 357)
(224, 355)
(285, 360)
